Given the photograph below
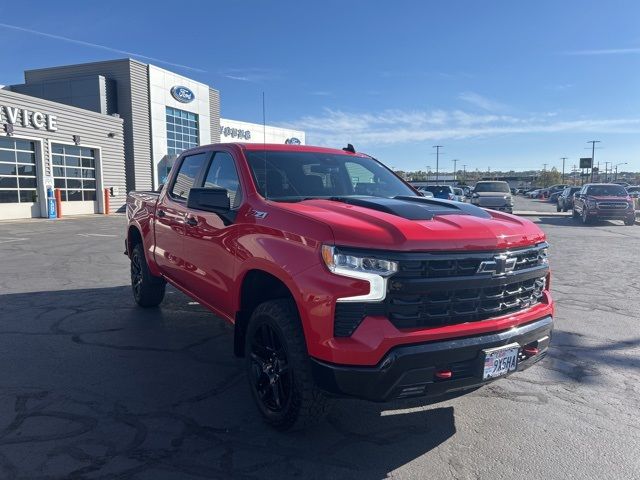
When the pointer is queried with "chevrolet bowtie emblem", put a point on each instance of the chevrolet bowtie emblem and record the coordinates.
(500, 265)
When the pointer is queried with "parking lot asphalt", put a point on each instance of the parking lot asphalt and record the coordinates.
(93, 387)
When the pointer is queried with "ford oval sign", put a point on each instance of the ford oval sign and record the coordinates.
(182, 94)
(292, 141)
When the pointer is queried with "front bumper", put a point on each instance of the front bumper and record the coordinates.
(501, 208)
(612, 214)
(409, 371)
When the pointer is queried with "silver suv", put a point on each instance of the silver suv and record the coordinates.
(494, 195)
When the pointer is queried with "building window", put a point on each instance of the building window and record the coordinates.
(74, 172)
(182, 131)
(18, 182)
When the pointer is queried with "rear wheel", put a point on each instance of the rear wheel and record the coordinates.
(148, 290)
(279, 370)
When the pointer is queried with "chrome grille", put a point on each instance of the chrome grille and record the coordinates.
(612, 205)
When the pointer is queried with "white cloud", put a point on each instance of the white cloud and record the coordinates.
(605, 51)
(482, 102)
(390, 127)
(98, 46)
(251, 74)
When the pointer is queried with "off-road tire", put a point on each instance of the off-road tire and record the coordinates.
(307, 403)
(630, 222)
(586, 220)
(148, 290)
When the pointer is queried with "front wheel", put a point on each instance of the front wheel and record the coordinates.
(585, 217)
(574, 214)
(148, 290)
(558, 209)
(630, 221)
(278, 368)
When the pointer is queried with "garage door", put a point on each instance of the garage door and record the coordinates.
(74, 173)
(18, 181)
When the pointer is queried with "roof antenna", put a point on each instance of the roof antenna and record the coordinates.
(264, 145)
(349, 148)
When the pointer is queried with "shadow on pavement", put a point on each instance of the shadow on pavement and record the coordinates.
(99, 388)
(571, 222)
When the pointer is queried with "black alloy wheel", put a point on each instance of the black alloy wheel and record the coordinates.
(271, 377)
(136, 275)
(148, 290)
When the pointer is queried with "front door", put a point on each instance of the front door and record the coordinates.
(170, 217)
(210, 240)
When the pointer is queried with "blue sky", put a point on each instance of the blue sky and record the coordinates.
(500, 84)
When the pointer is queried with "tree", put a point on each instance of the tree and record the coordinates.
(549, 177)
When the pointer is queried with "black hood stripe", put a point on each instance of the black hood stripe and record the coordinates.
(415, 208)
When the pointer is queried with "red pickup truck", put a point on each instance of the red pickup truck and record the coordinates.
(339, 278)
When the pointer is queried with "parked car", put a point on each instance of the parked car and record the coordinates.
(565, 200)
(444, 192)
(459, 193)
(534, 193)
(633, 190)
(603, 201)
(495, 195)
(327, 267)
(553, 198)
(424, 193)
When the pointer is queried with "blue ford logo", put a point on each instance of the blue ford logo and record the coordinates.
(292, 141)
(182, 94)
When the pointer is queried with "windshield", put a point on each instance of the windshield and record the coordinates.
(607, 191)
(438, 189)
(290, 176)
(501, 187)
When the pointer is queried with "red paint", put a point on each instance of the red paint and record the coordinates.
(443, 374)
(209, 260)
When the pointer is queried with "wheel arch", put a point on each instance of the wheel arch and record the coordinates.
(257, 286)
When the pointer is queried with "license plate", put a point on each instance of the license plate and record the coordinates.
(500, 361)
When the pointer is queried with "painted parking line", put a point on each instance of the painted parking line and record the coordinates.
(95, 235)
(9, 239)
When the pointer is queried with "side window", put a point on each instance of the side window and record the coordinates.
(223, 174)
(189, 170)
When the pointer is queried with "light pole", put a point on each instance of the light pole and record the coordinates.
(606, 169)
(593, 153)
(437, 147)
(464, 174)
(616, 177)
(455, 170)
(563, 160)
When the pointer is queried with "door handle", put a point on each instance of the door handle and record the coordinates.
(161, 213)
(193, 221)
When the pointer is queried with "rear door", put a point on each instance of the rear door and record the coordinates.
(170, 216)
(210, 239)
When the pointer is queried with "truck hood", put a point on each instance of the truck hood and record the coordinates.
(417, 224)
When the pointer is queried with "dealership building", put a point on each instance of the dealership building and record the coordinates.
(128, 119)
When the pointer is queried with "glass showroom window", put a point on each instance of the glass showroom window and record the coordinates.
(182, 131)
(18, 181)
(74, 172)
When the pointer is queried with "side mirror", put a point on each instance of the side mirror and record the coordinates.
(213, 200)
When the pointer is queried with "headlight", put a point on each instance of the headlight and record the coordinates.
(373, 270)
(337, 262)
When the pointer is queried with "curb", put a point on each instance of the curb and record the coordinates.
(529, 213)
